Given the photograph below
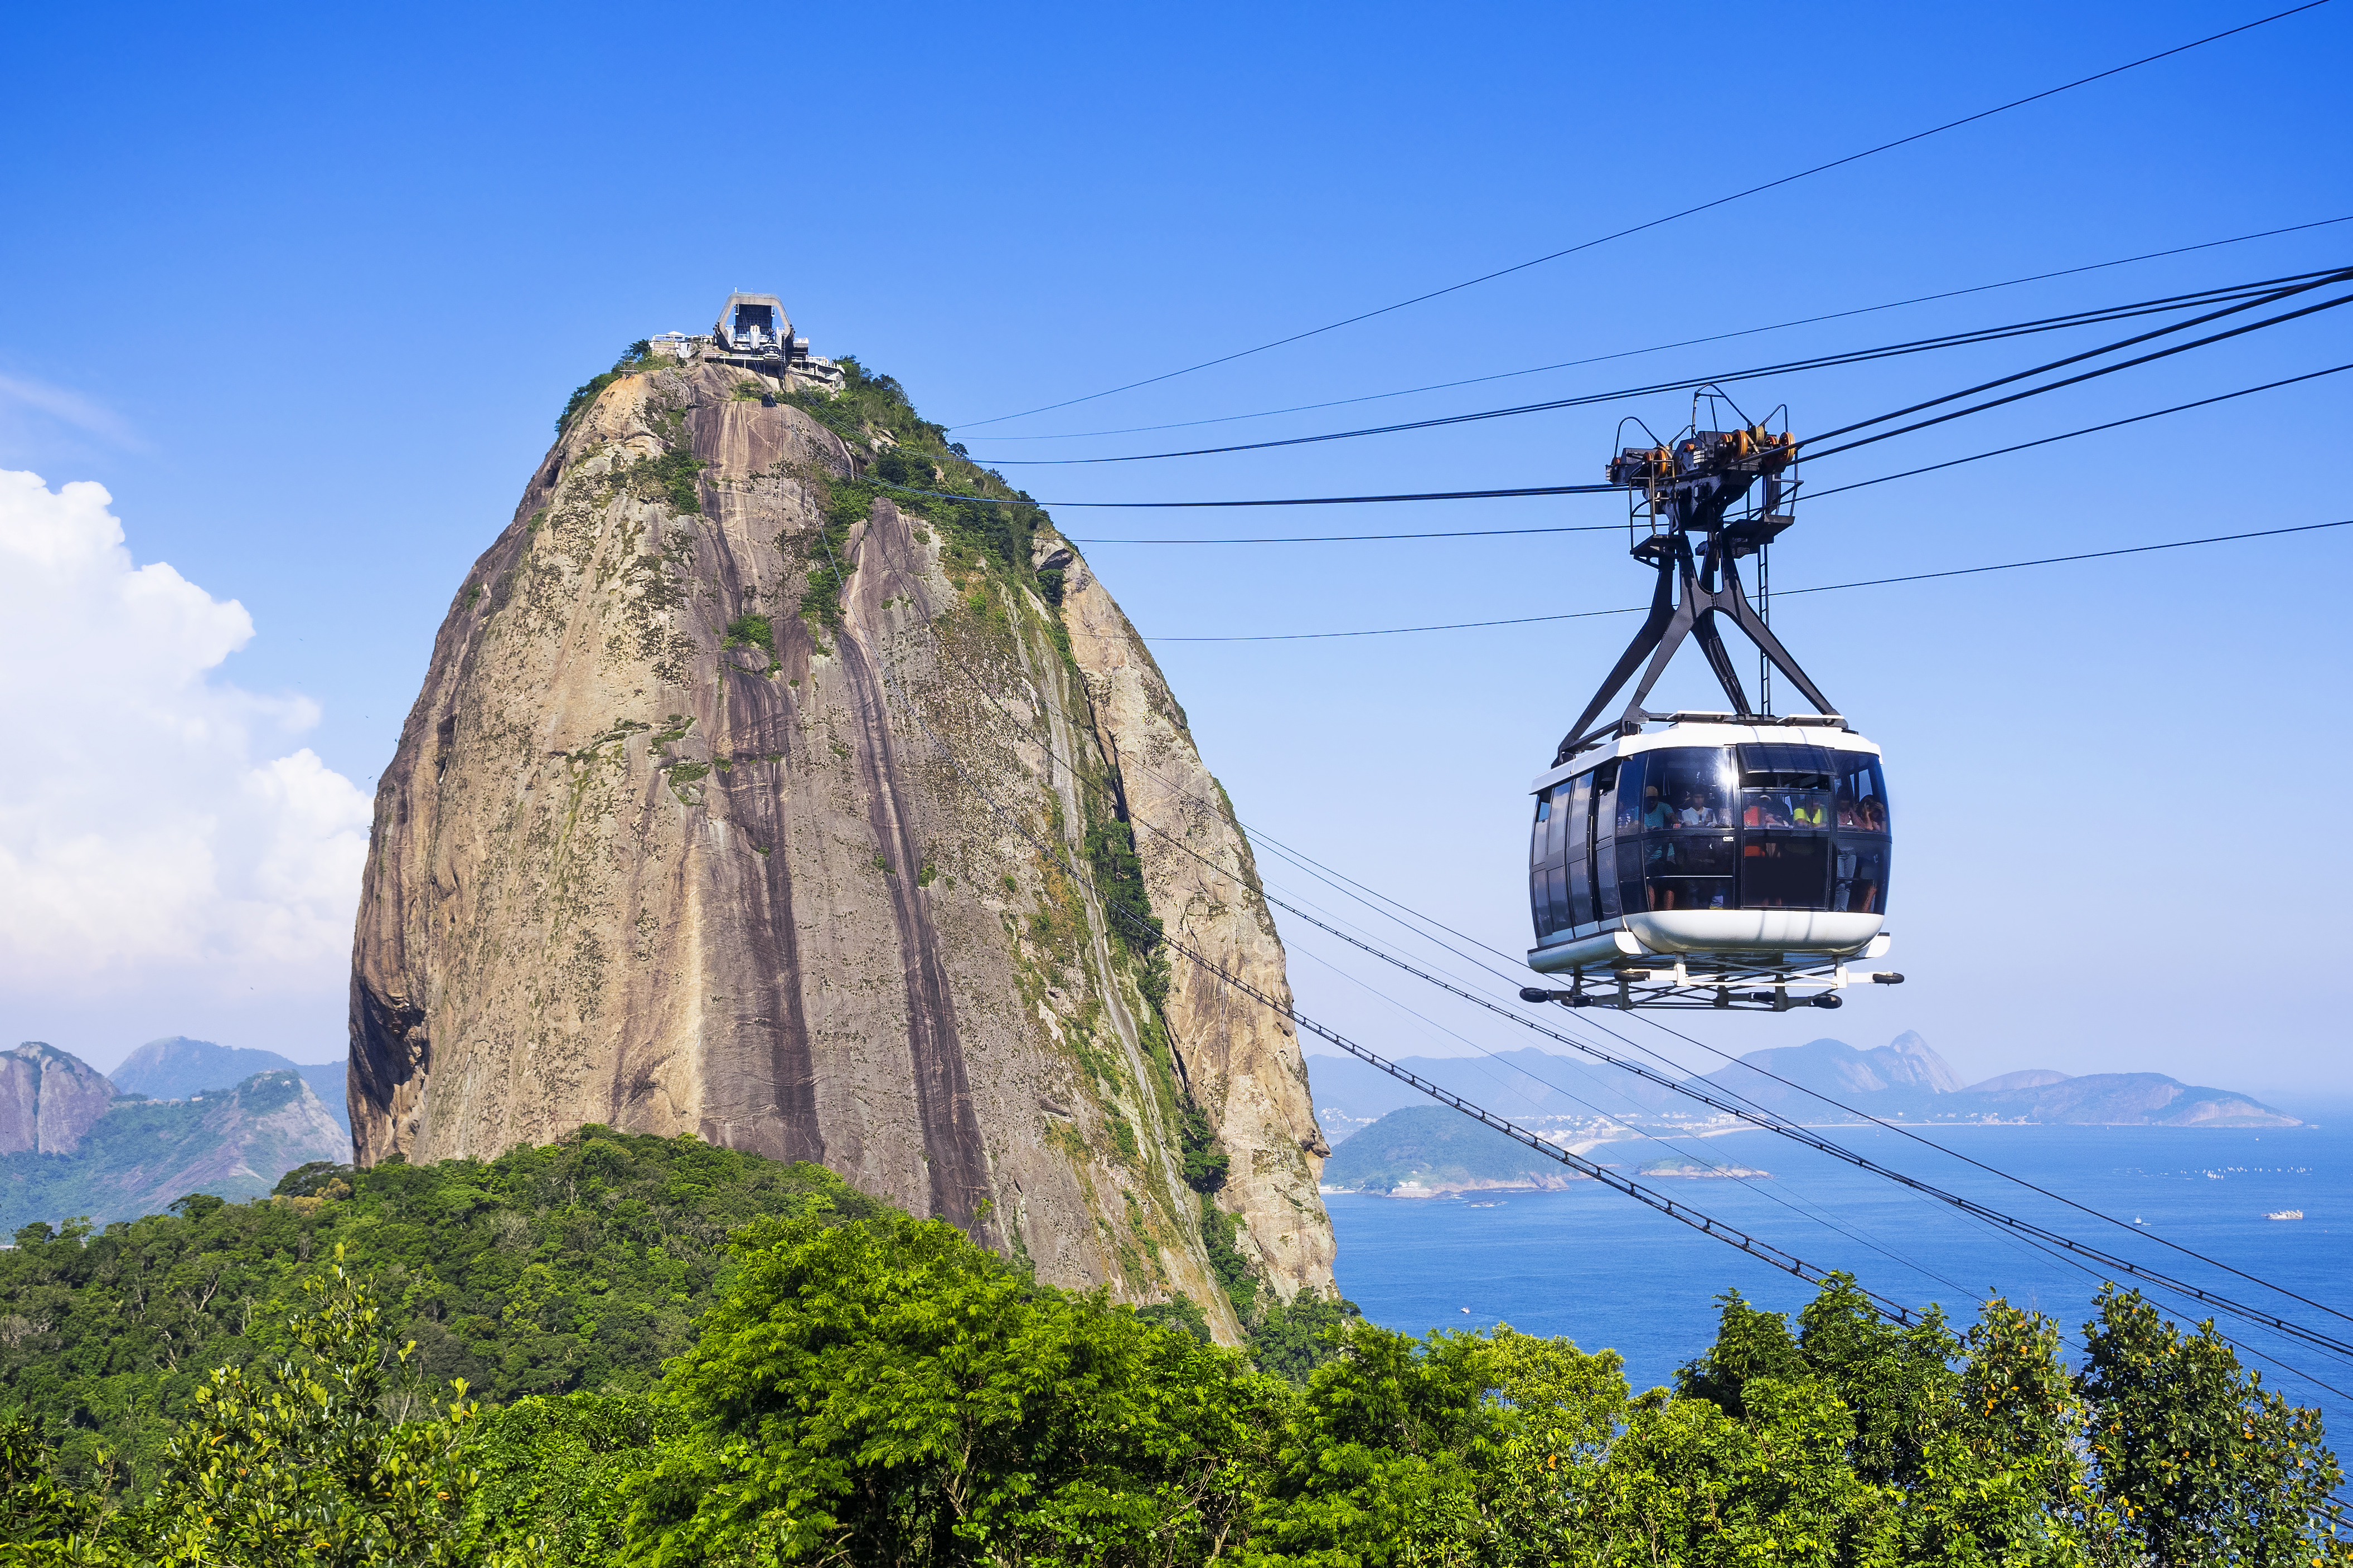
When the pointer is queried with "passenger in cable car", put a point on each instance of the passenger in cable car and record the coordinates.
(1656, 812)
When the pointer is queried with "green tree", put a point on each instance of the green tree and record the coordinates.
(2196, 1458)
(886, 1392)
(303, 1462)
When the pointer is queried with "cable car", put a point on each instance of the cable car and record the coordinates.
(1730, 860)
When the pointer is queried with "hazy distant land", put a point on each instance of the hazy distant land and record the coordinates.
(1390, 1138)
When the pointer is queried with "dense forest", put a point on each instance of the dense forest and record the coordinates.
(627, 1350)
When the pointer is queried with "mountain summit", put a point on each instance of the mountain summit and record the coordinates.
(742, 799)
(1906, 1080)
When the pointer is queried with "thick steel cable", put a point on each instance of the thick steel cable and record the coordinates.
(1684, 343)
(1778, 592)
(1671, 218)
(1772, 1123)
(1684, 1213)
(2251, 295)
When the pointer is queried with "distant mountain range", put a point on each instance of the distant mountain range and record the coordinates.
(70, 1145)
(178, 1067)
(1904, 1080)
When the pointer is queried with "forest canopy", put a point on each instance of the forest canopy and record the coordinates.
(636, 1350)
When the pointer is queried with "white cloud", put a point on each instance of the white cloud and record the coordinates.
(157, 827)
(25, 401)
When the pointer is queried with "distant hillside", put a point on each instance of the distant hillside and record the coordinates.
(1904, 1080)
(48, 1099)
(1526, 1084)
(142, 1155)
(1431, 1148)
(178, 1067)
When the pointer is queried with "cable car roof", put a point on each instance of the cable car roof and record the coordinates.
(1684, 729)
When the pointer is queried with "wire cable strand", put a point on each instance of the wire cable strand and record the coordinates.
(1685, 1214)
(1778, 592)
(1685, 342)
(1772, 1123)
(1757, 1116)
(2248, 296)
(1671, 218)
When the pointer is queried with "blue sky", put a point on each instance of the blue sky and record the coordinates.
(303, 289)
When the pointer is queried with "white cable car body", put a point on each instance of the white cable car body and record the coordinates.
(1714, 853)
(1729, 859)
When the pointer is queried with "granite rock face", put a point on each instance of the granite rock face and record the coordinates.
(48, 1099)
(662, 852)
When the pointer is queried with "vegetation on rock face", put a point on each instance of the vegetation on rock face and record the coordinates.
(637, 356)
(865, 1387)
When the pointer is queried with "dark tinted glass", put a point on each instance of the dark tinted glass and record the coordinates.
(1630, 897)
(1784, 871)
(1605, 881)
(1808, 809)
(1859, 876)
(1695, 784)
(1631, 793)
(1861, 793)
(1778, 762)
(1581, 892)
(1539, 908)
(1688, 871)
(1538, 838)
(1559, 827)
(1557, 885)
(1579, 828)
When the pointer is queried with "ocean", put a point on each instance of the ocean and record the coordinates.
(1608, 1273)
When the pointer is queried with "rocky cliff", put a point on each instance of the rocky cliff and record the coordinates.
(48, 1099)
(750, 797)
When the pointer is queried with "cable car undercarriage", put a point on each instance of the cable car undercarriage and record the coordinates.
(1733, 859)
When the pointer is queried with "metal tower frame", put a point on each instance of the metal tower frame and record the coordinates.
(1691, 515)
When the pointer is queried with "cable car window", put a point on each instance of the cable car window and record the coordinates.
(1859, 876)
(1537, 839)
(1779, 763)
(1784, 871)
(1861, 793)
(1694, 785)
(1581, 893)
(1688, 871)
(1630, 895)
(1632, 792)
(1557, 885)
(1557, 839)
(1802, 809)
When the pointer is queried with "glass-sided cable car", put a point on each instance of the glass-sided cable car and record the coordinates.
(1731, 860)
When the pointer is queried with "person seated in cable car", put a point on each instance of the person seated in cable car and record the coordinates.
(1656, 812)
(1848, 816)
(1806, 811)
(1766, 810)
(1696, 812)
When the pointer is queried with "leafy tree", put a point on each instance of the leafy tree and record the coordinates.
(299, 1463)
(577, 1266)
(2197, 1459)
(555, 1473)
(887, 1392)
(1293, 1338)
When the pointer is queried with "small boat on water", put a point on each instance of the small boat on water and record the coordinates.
(2284, 1214)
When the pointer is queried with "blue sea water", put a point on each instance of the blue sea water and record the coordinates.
(1594, 1265)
